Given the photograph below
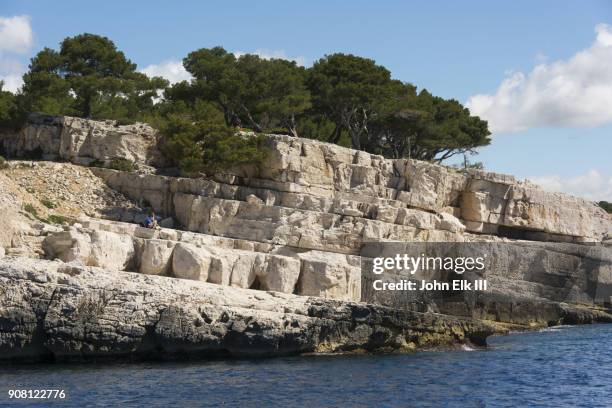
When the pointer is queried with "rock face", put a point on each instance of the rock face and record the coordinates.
(270, 260)
(323, 203)
(528, 283)
(83, 141)
(238, 263)
(96, 248)
(319, 204)
(53, 311)
(374, 197)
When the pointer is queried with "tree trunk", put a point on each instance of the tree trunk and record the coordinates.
(231, 119)
(254, 124)
(335, 136)
(87, 106)
(356, 139)
(291, 125)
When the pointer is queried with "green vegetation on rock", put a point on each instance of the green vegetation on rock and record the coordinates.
(122, 165)
(48, 203)
(606, 206)
(343, 99)
(29, 208)
(198, 147)
(57, 219)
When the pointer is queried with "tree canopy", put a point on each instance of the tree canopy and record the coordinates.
(88, 77)
(606, 206)
(426, 127)
(8, 107)
(350, 91)
(342, 98)
(249, 90)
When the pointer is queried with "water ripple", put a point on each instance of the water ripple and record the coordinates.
(563, 367)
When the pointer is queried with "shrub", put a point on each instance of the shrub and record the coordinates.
(3, 163)
(606, 206)
(124, 122)
(277, 131)
(122, 165)
(57, 219)
(29, 208)
(48, 203)
(208, 147)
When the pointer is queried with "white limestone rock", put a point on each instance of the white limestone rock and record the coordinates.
(191, 262)
(156, 257)
(253, 199)
(82, 141)
(280, 274)
(111, 251)
(72, 245)
(330, 275)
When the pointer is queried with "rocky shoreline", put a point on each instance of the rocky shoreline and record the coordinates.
(269, 261)
(51, 311)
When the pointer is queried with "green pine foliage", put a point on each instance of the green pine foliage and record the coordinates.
(343, 99)
(606, 206)
(90, 78)
(203, 147)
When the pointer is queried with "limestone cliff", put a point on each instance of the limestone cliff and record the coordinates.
(278, 251)
(53, 311)
(82, 141)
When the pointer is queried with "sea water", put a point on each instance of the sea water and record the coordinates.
(557, 367)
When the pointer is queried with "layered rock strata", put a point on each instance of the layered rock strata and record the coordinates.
(61, 312)
(298, 229)
(82, 141)
(307, 175)
(207, 258)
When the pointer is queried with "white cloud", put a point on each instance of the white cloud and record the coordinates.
(16, 37)
(15, 34)
(592, 185)
(11, 71)
(567, 93)
(276, 54)
(172, 70)
(11, 82)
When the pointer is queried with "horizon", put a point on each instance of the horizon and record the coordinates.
(542, 80)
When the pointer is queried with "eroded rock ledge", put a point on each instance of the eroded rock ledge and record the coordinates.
(62, 312)
(298, 224)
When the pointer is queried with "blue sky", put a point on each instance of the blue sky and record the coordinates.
(553, 124)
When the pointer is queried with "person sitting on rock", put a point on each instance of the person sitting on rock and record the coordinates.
(151, 221)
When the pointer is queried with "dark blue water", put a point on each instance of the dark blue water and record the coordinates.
(560, 367)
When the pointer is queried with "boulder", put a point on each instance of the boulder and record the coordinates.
(449, 222)
(220, 271)
(264, 272)
(191, 262)
(82, 141)
(111, 251)
(167, 222)
(72, 245)
(253, 199)
(280, 274)
(245, 269)
(330, 276)
(156, 257)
